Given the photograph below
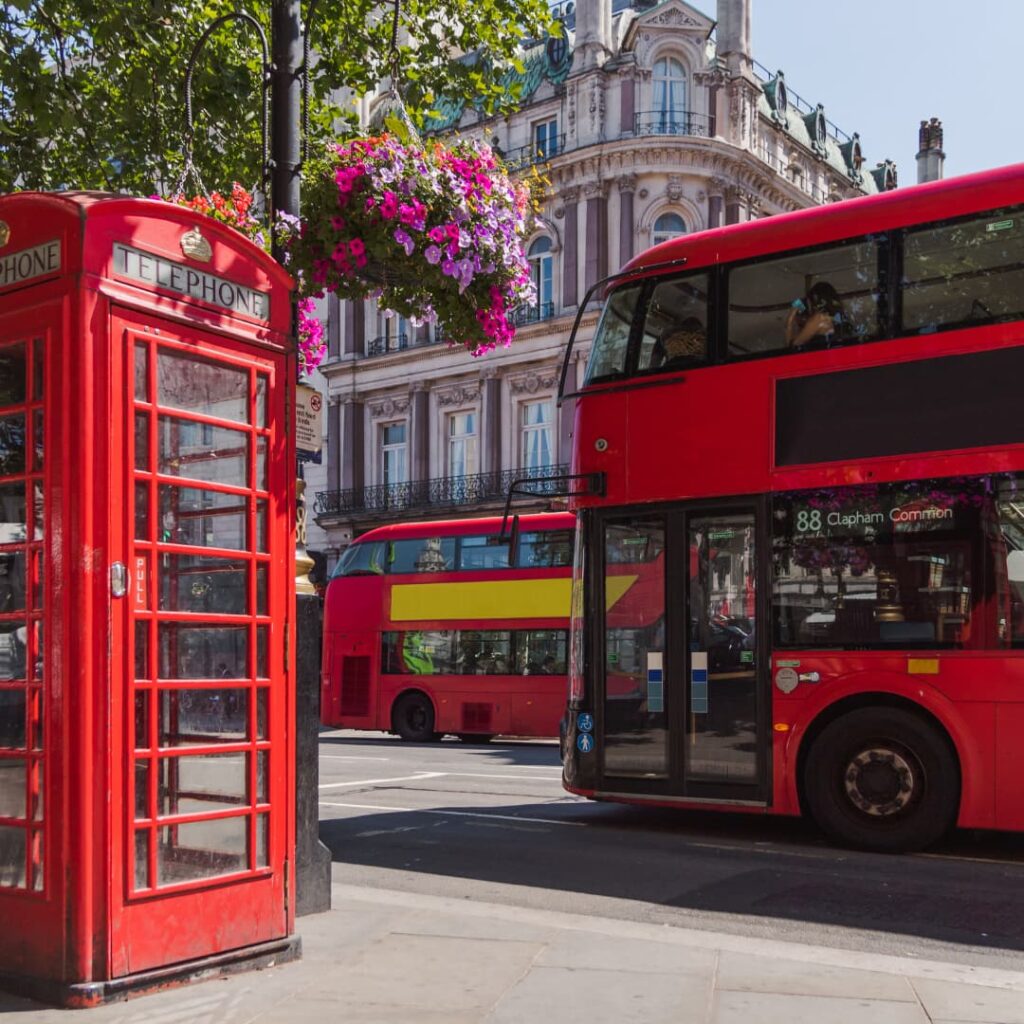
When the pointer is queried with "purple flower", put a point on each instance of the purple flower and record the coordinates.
(403, 239)
(432, 254)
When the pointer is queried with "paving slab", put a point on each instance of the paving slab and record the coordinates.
(965, 1003)
(775, 1008)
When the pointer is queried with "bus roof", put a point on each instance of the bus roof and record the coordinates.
(932, 201)
(467, 527)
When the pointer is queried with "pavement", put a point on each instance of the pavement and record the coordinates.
(385, 957)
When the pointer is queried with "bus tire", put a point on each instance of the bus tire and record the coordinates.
(882, 779)
(413, 718)
(476, 737)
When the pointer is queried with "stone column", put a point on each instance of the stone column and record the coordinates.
(570, 271)
(716, 202)
(627, 101)
(596, 255)
(419, 429)
(733, 205)
(566, 415)
(490, 422)
(335, 411)
(627, 188)
(355, 328)
(352, 471)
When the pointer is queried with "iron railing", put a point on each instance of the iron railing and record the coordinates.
(440, 492)
(667, 122)
(526, 156)
(532, 314)
(399, 342)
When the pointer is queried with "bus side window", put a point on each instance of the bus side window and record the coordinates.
(675, 324)
(764, 298)
(361, 559)
(425, 554)
(611, 340)
(544, 549)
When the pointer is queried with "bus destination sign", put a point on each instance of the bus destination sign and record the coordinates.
(196, 284)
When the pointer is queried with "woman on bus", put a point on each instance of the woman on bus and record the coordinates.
(820, 315)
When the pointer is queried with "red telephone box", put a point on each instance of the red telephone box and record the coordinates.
(146, 595)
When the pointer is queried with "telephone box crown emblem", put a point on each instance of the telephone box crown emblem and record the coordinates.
(5, 233)
(195, 246)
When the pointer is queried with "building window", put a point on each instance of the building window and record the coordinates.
(462, 444)
(669, 94)
(394, 464)
(545, 139)
(538, 434)
(542, 273)
(668, 225)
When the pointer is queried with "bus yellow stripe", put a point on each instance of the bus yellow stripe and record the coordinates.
(500, 599)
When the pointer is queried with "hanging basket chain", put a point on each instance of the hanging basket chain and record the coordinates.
(189, 169)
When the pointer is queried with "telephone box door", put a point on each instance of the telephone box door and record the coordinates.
(200, 684)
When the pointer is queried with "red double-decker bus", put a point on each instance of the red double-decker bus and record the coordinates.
(799, 582)
(430, 628)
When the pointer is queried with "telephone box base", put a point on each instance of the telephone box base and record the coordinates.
(96, 993)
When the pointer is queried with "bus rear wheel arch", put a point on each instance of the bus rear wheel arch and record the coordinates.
(882, 777)
(412, 718)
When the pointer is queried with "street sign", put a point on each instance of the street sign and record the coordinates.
(309, 431)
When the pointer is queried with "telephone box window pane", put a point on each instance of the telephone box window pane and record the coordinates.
(191, 717)
(263, 777)
(261, 713)
(208, 519)
(193, 784)
(12, 787)
(12, 720)
(142, 511)
(142, 859)
(142, 789)
(12, 445)
(12, 374)
(35, 707)
(203, 652)
(202, 849)
(38, 355)
(12, 581)
(201, 451)
(37, 791)
(261, 590)
(142, 720)
(39, 513)
(37, 579)
(195, 385)
(142, 441)
(12, 651)
(261, 652)
(261, 526)
(261, 463)
(12, 514)
(37, 861)
(12, 857)
(194, 583)
(261, 400)
(263, 841)
(37, 439)
(141, 650)
(141, 372)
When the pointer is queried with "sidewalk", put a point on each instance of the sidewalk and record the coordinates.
(384, 957)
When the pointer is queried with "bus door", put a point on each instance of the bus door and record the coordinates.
(684, 708)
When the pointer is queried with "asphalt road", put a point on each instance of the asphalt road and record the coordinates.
(493, 823)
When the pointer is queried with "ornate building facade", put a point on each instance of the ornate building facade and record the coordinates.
(650, 120)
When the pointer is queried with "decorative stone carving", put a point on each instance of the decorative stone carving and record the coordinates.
(530, 383)
(674, 188)
(390, 406)
(461, 394)
(627, 183)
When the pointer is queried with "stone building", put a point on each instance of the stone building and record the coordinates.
(651, 120)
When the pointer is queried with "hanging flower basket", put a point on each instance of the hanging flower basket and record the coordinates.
(434, 232)
(235, 210)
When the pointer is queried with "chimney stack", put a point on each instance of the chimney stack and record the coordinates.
(733, 35)
(593, 34)
(930, 156)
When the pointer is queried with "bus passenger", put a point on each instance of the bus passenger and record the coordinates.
(820, 315)
(681, 342)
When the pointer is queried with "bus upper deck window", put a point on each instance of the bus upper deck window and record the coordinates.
(360, 559)
(611, 341)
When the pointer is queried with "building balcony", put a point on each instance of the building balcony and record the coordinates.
(526, 156)
(440, 493)
(533, 314)
(662, 122)
(385, 343)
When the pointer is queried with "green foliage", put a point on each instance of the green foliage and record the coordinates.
(92, 92)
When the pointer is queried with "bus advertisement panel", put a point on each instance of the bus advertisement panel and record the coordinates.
(810, 457)
(430, 628)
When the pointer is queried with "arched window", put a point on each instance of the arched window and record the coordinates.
(670, 96)
(542, 273)
(668, 225)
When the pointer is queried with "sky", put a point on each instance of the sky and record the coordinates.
(880, 67)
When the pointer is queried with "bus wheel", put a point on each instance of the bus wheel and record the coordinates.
(882, 779)
(413, 718)
(476, 737)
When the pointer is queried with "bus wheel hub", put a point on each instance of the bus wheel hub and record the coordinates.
(879, 781)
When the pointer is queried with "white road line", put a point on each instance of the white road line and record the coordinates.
(374, 782)
(481, 775)
(456, 814)
(351, 757)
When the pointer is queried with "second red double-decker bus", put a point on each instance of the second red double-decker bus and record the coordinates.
(446, 627)
(800, 583)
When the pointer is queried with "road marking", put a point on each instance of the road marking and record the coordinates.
(457, 814)
(351, 757)
(375, 782)
(519, 778)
